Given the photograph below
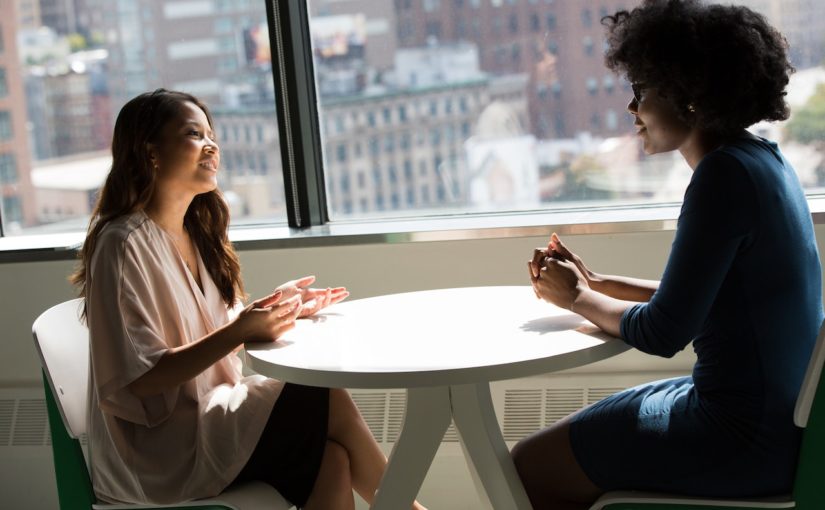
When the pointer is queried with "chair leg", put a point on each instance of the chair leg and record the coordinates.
(74, 487)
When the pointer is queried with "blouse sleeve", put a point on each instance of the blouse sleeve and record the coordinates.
(718, 219)
(125, 332)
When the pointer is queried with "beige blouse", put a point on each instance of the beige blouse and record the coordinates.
(189, 442)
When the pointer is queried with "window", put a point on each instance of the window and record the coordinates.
(513, 124)
(222, 58)
(587, 18)
(535, 22)
(8, 169)
(11, 209)
(5, 126)
(465, 108)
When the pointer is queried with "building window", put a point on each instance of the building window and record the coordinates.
(4, 86)
(535, 22)
(592, 85)
(513, 23)
(8, 168)
(587, 18)
(12, 209)
(587, 43)
(608, 82)
(432, 5)
(5, 125)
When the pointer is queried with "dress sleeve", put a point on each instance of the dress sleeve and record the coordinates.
(719, 217)
(126, 334)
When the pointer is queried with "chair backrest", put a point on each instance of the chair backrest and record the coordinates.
(63, 345)
(810, 415)
(62, 342)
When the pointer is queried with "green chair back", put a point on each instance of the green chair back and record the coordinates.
(74, 487)
(809, 490)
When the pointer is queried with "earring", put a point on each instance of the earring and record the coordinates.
(691, 108)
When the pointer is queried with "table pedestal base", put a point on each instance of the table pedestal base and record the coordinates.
(427, 417)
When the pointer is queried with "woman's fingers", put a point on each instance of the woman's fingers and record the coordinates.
(268, 301)
(304, 281)
(557, 246)
(533, 279)
(538, 258)
(288, 306)
(339, 296)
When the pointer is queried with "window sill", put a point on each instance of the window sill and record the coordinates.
(606, 220)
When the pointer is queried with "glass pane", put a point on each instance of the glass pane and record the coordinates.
(67, 67)
(456, 106)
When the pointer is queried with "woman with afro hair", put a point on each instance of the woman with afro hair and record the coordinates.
(742, 282)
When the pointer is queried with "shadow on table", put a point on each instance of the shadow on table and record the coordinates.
(570, 321)
(320, 317)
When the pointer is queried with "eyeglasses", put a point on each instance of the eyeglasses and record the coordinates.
(638, 89)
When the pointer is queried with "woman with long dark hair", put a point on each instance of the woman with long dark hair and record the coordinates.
(171, 417)
(742, 282)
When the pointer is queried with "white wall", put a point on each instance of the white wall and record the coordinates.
(30, 287)
(368, 270)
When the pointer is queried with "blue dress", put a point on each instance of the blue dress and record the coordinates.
(743, 283)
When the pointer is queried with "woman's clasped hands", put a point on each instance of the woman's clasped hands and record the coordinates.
(558, 275)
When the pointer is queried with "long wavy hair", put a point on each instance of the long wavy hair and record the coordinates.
(132, 181)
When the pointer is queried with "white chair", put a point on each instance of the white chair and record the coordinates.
(62, 342)
(808, 492)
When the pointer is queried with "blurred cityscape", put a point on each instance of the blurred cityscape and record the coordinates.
(426, 106)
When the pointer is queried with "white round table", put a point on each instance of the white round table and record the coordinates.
(444, 346)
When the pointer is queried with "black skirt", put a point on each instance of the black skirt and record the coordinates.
(288, 454)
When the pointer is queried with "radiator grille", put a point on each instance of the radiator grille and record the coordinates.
(30, 427)
(6, 420)
(522, 413)
(24, 422)
(596, 394)
(373, 407)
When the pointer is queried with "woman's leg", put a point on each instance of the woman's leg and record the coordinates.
(333, 486)
(549, 471)
(366, 460)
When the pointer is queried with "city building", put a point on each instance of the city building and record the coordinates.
(559, 45)
(801, 22)
(210, 49)
(15, 185)
(69, 106)
(28, 14)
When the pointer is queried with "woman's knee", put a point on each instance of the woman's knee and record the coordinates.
(336, 458)
(548, 468)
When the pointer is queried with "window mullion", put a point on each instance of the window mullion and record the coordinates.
(300, 137)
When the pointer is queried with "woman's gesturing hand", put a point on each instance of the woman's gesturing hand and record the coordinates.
(313, 300)
(266, 319)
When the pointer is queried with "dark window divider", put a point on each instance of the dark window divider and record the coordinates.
(298, 124)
